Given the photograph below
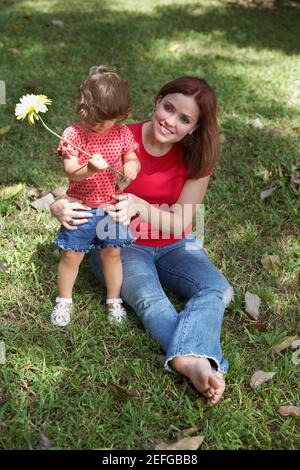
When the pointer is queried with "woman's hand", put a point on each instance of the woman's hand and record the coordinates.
(67, 211)
(126, 207)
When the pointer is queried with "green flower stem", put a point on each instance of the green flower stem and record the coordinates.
(77, 148)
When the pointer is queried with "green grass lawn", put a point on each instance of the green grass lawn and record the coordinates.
(60, 382)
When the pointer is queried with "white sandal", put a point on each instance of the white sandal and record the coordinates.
(116, 313)
(60, 315)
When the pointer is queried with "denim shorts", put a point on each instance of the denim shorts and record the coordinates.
(100, 231)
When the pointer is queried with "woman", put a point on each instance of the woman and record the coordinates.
(177, 150)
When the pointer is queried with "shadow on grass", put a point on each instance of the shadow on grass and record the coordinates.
(46, 263)
(58, 59)
(87, 288)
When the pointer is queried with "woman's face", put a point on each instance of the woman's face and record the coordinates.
(175, 116)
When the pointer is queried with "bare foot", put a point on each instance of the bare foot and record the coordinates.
(208, 382)
(218, 385)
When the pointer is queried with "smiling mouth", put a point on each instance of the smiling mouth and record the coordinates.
(165, 128)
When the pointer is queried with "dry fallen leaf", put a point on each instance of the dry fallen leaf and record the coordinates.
(265, 194)
(296, 354)
(177, 434)
(296, 357)
(58, 23)
(4, 130)
(266, 175)
(33, 193)
(125, 391)
(20, 204)
(11, 191)
(11, 219)
(2, 353)
(43, 203)
(295, 177)
(3, 267)
(45, 442)
(190, 431)
(259, 377)
(289, 410)
(257, 124)
(284, 344)
(258, 326)
(295, 94)
(271, 262)
(14, 50)
(58, 192)
(252, 302)
(45, 192)
(188, 443)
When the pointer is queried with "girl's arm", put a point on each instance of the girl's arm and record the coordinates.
(131, 166)
(174, 220)
(74, 171)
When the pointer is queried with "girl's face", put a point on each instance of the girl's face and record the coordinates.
(101, 127)
(175, 116)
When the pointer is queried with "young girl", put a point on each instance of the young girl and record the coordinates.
(103, 101)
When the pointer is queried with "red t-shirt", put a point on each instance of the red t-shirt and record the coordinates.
(96, 190)
(160, 181)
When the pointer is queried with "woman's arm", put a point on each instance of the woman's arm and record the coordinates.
(172, 220)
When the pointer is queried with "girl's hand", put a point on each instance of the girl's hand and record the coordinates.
(130, 170)
(126, 207)
(122, 183)
(97, 162)
(67, 211)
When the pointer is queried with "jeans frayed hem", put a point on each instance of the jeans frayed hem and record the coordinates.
(228, 296)
(67, 248)
(170, 368)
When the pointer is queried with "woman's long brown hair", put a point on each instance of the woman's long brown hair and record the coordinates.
(201, 148)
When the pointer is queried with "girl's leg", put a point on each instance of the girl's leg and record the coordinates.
(142, 290)
(66, 277)
(113, 277)
(68, 272)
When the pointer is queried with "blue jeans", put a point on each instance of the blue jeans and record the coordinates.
(188, 273)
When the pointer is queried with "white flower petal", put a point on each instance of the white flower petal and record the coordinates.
(31, 106)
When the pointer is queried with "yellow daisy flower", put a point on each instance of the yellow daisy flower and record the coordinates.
(31, 106)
